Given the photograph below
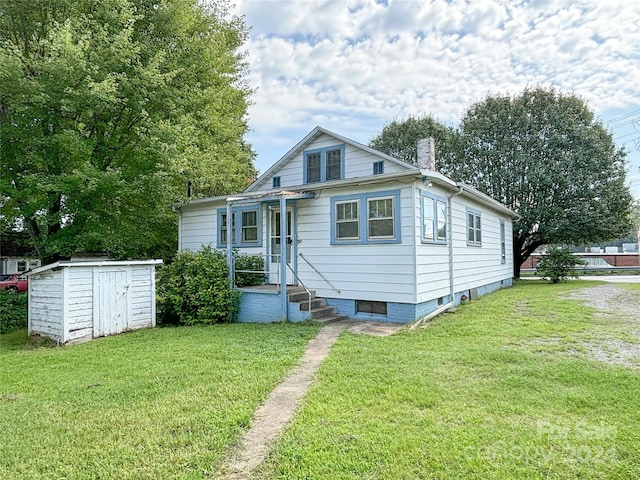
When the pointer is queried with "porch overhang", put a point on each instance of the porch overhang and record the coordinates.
(269, 197)
(280, 197)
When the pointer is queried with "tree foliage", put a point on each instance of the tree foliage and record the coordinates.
(558, 264)
(107, 109)
(543, 154)
(399, 139)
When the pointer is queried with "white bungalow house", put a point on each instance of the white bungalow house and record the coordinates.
(367, 235)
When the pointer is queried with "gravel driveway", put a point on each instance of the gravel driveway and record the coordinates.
(620, 306)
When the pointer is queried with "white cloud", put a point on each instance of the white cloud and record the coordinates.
(354, 65)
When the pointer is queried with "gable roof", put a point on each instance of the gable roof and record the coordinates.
(310, 137)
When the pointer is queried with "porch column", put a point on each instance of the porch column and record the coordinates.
(283, 257)
(230, 244)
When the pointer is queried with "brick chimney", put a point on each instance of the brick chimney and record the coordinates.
(427, 154)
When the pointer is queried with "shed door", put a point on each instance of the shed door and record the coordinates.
(111, 304)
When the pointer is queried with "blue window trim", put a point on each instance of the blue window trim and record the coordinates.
(363, 217)
(475, 213)
(323, 162)
(435, 198)
(237, 213)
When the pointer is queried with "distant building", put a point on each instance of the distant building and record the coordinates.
(15, 255)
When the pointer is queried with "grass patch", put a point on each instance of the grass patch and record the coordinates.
(160, 403)
(498, 389)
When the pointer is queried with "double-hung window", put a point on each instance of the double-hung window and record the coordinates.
(347, 224)
(474, 227)
(223, 230)
(380, 218)
(333, 168)
(246, 225)
(366, 218)
(314, 167)
(434, 219)
(250, 226)
(324, 164)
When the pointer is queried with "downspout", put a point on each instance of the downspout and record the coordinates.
(450, 232)
(451, 301)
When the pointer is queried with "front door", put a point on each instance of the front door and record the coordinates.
(275, 245)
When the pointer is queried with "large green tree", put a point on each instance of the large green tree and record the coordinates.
(399, 138)
(107, 109)
(545, 155)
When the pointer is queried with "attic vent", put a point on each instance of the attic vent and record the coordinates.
(427, 154)
(378, 167)
(276, 182)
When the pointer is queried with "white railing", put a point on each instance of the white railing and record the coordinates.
(264, 272)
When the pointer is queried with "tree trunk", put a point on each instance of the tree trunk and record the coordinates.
(517, 262)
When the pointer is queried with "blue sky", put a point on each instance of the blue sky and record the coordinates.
(354, 65)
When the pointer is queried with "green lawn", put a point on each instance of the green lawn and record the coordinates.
(512, 385)
(161, 403)
(506, 387)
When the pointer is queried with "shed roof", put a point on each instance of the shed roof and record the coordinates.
(92, 263)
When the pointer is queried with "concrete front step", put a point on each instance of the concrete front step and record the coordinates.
(331, 319)
(321, 312)
(298, 295)
(315, 303)
(317, 308)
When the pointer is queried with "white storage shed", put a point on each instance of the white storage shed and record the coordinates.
(73, 301)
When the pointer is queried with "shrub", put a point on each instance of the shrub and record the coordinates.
(558, 264)
(249, 262)
(13, 311)
(194, 289)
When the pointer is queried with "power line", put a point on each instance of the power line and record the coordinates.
(623, 117)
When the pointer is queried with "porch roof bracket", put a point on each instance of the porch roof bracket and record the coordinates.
(283, 257)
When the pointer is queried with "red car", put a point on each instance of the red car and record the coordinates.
(14, 282)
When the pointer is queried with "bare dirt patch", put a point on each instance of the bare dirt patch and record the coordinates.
(611, 299)
(617, 305)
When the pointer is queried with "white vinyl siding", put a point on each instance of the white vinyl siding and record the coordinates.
(363, 271)
(473, 266)
(197, 227)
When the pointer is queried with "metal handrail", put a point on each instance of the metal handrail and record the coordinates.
(295, 275)
(316, 270)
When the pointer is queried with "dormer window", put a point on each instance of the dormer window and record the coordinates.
(314, 167)
(324, 164)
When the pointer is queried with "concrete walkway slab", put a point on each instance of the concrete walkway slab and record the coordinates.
(271, 418)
